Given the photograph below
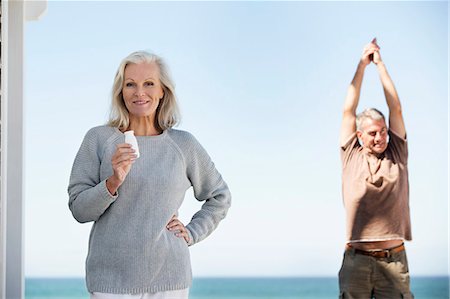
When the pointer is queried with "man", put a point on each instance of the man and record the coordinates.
(375, 192)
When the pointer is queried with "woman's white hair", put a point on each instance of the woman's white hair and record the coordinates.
(370, 113)
(167, 113)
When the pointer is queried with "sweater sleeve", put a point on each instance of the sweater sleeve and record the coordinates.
(209, 187)
(88, 195)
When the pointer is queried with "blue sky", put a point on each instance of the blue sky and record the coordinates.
(261, 85)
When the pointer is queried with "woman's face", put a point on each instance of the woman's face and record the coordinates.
(142, 89)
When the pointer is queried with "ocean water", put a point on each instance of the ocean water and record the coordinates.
(239, 288)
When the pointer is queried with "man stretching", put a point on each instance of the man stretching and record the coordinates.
(375, 192)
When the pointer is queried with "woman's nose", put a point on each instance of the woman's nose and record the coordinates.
(140, 91)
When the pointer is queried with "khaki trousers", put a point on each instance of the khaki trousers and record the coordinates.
(367, 277)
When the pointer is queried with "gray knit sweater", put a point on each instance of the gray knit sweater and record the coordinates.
(130, 249)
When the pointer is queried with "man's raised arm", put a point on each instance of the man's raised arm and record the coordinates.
(396, 122)
(348, 126)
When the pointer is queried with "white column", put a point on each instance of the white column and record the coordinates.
(14, 14)
(13, 147)
(3, 155)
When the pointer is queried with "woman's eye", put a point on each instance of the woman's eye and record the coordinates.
(149, 84)
(129, 84)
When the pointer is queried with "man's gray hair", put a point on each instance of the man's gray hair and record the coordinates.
(371, 113)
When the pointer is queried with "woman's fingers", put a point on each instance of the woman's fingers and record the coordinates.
(124, 151)
(124, 159)
(174, 222)
(178, 228)
(121, 161)
(123, 146)
(184, 235)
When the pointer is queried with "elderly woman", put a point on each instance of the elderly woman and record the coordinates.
(137, 247)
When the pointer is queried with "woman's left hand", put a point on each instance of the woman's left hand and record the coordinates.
(178, 228)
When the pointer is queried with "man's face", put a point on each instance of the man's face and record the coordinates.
(373, 135)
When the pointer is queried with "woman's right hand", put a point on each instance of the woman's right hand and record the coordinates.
(121, 162)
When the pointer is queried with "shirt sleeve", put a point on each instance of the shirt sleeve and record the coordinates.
(349, 148)
(398, 147)
(88, 196)
(209, 187)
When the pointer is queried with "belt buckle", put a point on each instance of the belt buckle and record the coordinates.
(382, 253)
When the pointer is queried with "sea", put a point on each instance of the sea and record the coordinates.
(239, 288)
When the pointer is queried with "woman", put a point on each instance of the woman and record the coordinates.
(138, 248)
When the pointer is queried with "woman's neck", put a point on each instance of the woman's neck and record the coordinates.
(143, 126)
